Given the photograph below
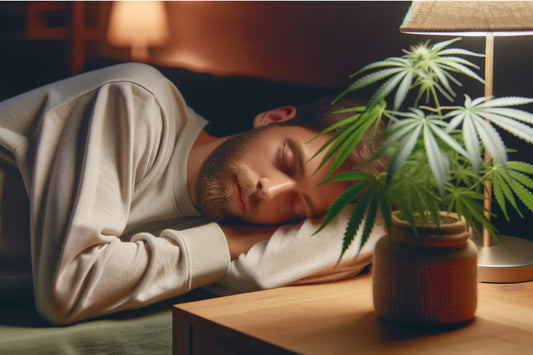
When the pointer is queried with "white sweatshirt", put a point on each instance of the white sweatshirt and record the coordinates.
(102, 157)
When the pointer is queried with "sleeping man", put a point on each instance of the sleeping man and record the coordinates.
(114, 197)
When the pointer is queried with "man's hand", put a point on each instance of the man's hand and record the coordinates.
(241, 238)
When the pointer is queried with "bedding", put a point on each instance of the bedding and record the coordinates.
(143, 331)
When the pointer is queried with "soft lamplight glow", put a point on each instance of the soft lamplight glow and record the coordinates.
(513, 260)
(138, 24)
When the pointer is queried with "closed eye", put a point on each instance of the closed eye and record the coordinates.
(288, 159)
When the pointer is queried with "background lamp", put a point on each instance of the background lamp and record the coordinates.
(138, 24)
(513, 260)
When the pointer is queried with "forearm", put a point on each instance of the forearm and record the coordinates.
(241, 238)
(113, 275)
(294, 255)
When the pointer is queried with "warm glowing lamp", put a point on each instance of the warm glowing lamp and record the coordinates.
(512, 261)
(138, 24)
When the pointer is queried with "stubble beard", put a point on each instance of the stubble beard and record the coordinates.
(214, 193)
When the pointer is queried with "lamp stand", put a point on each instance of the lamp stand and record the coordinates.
(512, 260)
(139, 50)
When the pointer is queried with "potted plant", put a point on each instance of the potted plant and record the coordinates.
(436, 170)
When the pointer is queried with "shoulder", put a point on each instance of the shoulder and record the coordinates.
(136, 73)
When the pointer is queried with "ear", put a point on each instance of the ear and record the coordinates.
(279, 114)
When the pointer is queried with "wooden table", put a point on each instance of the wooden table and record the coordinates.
(338, 318)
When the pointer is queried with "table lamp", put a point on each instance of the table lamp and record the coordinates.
(138, 24)
(512, 260)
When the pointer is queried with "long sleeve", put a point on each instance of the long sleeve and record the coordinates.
(99, 146)
(293, 255)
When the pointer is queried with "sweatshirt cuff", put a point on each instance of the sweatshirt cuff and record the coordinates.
(208, 254)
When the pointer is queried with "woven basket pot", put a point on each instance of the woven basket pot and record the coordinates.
(429, 280)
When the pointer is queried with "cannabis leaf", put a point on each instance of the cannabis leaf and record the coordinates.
(434, 151)
(407, 131)
(468, 203)
(369, 194)
(349, 133)
(476, 117)
(427, 67)
(516, 180)
(437, 64)
(412, 191)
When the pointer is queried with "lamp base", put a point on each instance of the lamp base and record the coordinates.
(512, 261)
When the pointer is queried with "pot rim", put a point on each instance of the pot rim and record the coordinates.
(448, 233)
(458, 221)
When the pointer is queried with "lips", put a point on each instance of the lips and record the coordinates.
(238, 199)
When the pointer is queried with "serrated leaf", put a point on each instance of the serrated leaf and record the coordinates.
(452, 78)
(374, 77)
(460, 51)
(356, 217)
(347, 147)
(475, 215)
(519, 115)
(402, 153)
(471, 142)
(498, 187)
(506, 101)
(443, 78)
(446, 138)
(351, 109)
(491, 140)
(385, 89)
(455, 59)
(342, 201)
(516, 128)
(389, 62)
(463, 70)
(521, 166)
(403, 89)
(368, 80)
(344, 122)
(469, 103)
(437, 160)
(448, 95)
(523, 195)
(371, 213)
(347, 176)
(457, 117)
(399, 130)
(503, 193)
(521, 178)
(335, 143)
(439, 46)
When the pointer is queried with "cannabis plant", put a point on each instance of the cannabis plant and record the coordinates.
(434, 151)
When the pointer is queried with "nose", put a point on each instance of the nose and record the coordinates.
(268, 188)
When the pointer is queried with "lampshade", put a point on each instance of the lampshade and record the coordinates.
(469, 17)
(512, 260)
(138, 24)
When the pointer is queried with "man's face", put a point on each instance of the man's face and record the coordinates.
(265, 176)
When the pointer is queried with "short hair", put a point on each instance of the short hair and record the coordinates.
(322, 113)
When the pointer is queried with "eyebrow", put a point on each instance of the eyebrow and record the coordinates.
(297, 149)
